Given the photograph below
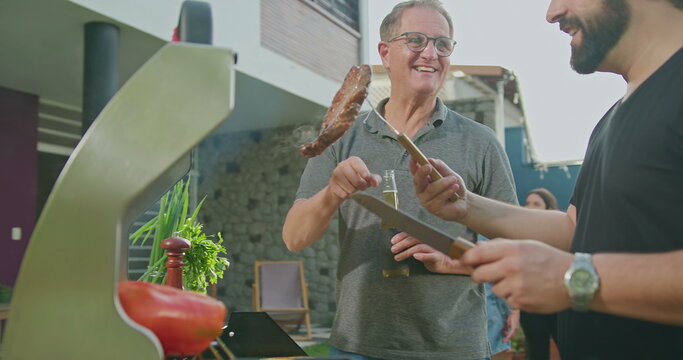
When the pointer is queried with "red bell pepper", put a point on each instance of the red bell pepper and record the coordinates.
(185, 322)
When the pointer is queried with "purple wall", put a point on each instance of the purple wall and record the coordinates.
(18, 171)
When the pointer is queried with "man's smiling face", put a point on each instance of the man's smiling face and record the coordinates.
(595, 27)
(412, 73)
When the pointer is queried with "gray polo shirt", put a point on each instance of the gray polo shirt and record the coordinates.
(424, 315)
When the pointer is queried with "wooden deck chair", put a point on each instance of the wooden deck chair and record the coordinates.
(280, 290)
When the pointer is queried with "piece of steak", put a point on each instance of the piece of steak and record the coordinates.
(343, 111)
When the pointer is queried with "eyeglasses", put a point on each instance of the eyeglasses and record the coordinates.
(417, 41)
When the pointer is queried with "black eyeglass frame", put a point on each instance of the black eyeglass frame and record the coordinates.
(406, 34)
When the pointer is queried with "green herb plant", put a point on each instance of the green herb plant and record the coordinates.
(203, 263)
(518, 342)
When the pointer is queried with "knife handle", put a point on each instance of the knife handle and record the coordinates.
(421, 159)
(459, 247)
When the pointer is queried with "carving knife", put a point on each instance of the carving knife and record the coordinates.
(439, 240)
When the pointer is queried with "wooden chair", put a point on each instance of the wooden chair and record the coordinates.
(280, 290)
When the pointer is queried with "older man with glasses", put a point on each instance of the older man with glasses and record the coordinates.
(419, 314)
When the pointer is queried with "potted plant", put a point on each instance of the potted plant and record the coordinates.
(518, 343)
(204, 264)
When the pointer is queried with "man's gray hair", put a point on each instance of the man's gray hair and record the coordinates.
(392, 21)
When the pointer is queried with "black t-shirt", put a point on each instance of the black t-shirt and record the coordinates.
(629, 199)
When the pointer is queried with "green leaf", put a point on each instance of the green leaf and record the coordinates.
(204, 264)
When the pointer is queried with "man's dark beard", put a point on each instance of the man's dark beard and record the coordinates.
(600, 34)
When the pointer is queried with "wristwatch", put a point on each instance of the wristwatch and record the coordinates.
(581, 281)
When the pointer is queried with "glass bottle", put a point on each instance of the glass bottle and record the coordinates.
(391, 267)
(389, 193)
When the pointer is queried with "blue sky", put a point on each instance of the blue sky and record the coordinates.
(562, 107)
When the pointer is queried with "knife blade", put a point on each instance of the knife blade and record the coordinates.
(454, 247)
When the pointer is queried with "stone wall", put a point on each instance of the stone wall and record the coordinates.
(250, 180)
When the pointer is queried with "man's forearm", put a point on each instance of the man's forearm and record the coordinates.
(643, 286)
(308, 219)
(493, 219)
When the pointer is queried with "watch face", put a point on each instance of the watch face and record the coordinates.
(582, 281)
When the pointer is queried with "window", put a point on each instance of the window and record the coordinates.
(344, 10)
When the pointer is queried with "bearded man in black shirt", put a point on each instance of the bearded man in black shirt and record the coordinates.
(613, 263)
